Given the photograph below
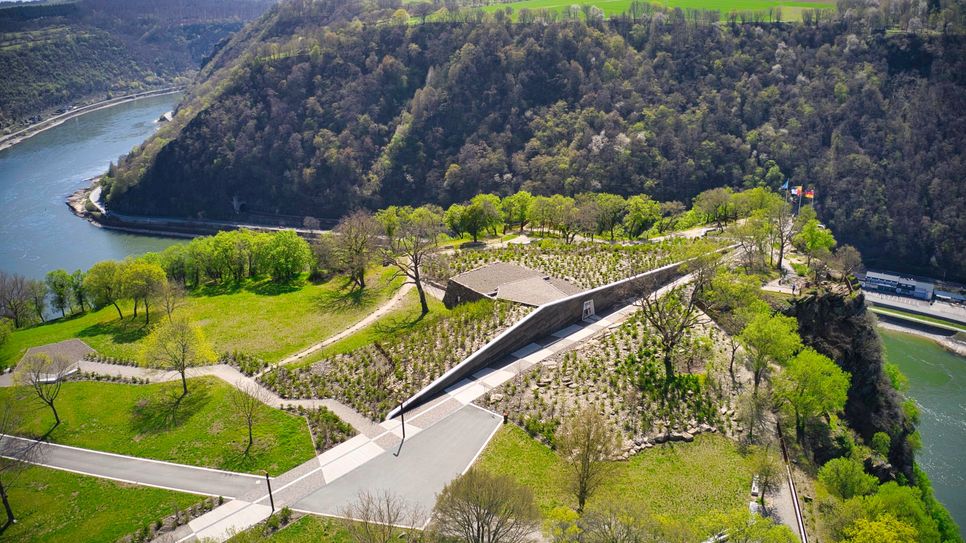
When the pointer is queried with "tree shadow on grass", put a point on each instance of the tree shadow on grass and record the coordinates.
(167, 409)
(394, 326)
(262, 287)
(126, 330)
(345, 297)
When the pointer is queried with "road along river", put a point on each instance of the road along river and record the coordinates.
(38, 232)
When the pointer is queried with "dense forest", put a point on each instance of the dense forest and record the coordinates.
(55, 55)
(320, 107)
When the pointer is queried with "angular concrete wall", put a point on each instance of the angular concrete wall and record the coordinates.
(543, 321)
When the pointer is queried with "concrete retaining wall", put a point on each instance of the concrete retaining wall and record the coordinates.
(545, 320)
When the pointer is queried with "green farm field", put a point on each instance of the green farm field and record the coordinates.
(790, 10)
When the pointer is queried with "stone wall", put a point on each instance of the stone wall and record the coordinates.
(457, 293)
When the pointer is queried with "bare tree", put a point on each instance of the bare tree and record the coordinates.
(38, 297)
(15, 298)
(782, 228)
(43, 375)
(378, 517)
(753, 407)
(171, 294)
(16, 454)
(413, 237)
(479, 507)
(848, 261)
(246, 401)
(587, 441)
(356, 236)
(672, 315)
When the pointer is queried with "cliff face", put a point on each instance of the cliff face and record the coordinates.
(842, 329)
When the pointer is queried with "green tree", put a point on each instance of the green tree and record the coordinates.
(610, 212)
(814, 238)
(454, 219)
(812, 385)
(642, 213)
(103, 282)
(286, 255)
(672, 315)
(715, 204)
(481, 214)
(142, 281)
(176, 345)
(881, 444)
(6, 328)
(846, 478)
(770, 338)
(516, 208)
(58, 283)
(884, 529)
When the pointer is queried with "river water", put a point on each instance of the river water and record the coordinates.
(937, 383)
(38, 233)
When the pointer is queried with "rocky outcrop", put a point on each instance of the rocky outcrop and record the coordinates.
(841, 328)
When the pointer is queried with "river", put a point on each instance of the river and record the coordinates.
(937, 382)
(38, 233)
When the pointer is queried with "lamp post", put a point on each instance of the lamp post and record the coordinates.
(402, 418)
(271, 499)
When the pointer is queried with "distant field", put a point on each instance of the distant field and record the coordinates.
(791, 10)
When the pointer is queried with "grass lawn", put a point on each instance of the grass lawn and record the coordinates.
(791, 10)
(58, 506)
(260, 318)
(683, 481)
(146, 421)
(308, 529)
(401, 320)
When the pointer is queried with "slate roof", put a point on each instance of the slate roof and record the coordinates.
(516, 283)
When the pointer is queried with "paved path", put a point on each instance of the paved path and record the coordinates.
(369, 319)
(129, 469)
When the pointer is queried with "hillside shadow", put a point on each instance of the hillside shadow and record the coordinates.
(126, 330)
(168, 409)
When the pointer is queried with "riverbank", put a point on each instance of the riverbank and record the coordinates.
(98, 215)
(948, 343)
(12, 139)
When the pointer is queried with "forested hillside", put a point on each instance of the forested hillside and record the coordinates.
(323, 106)
(52, 56)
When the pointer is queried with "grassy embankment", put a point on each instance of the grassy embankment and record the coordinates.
(61, 507)
(263, 319)
(683, 481)
(790, 10)
(148, 421)
(908, 315)
(308, 529)
(403, 319)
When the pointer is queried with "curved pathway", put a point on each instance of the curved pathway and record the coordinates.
(369, 319)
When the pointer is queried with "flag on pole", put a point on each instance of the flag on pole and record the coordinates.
(810, 193)
(785, 186)
(797, 190)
